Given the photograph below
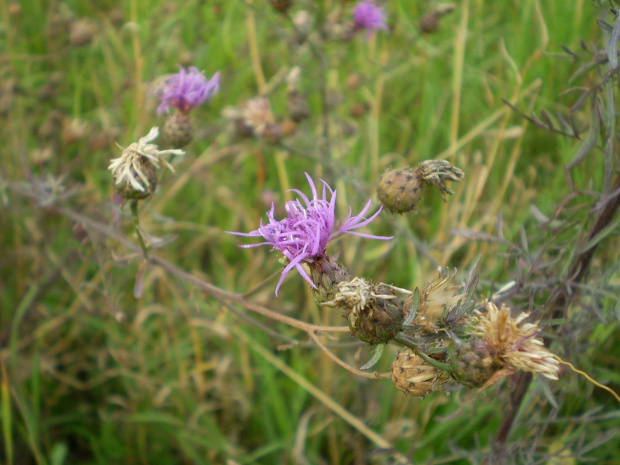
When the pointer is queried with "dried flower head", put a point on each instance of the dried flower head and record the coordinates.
(186, 90)
(135, 171)
(412, 375)
(514, 341)
(437, 172)
(253, 117)
(370, 17)
(438, 297)
(401, 190)
(375, 311)
(310, 224)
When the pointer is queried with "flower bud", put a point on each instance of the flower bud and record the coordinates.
(400, 190)
(412, 375)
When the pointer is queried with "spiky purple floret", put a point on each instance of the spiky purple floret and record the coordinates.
(186, 90)
(367, 15)
(310, 224)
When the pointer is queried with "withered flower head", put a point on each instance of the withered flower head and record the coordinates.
(254, 116)
(515, 342)
(437, 172)
(438, 297)
(374, 311)
(412, 375)
(135, 171)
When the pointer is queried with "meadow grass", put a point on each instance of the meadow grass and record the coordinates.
(90, 374)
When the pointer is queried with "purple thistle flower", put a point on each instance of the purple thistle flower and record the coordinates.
(186, 89)
(303, 235)
(367, 15)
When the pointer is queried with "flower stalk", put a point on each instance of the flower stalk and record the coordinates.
(136, 223)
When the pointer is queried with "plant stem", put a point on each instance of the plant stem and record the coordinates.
(557, 304)
(136, 223)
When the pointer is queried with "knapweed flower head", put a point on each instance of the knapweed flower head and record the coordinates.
(412, 375)
(308, 227)
(375, 312)
(514, 341)
(369, 16)
(186, 90)
(253, 116)
(437, 298)
(135, 171)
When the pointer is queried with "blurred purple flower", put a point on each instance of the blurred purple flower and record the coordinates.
(367, 15)
(303, 235)
(186, 89)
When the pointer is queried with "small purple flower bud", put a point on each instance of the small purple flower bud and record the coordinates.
(367, 15)
(310, 224)
(186, 90)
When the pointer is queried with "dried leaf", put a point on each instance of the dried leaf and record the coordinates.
(377, 351)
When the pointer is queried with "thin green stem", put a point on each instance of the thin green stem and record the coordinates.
(136, 223)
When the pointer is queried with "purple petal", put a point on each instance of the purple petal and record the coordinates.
(303, 235)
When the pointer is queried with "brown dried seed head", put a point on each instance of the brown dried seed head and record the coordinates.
(400, 190)
(412, 375)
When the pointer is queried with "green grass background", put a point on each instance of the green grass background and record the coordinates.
(89, 374)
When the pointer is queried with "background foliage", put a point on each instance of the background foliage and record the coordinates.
(90, 374)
